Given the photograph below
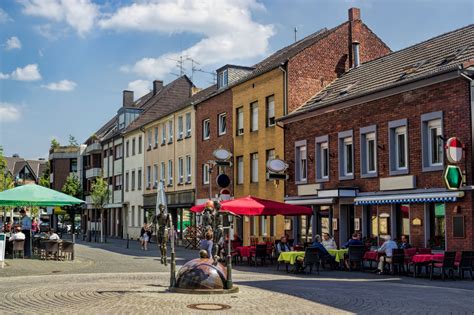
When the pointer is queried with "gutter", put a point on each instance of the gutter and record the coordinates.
(283, 69)
(471, 109)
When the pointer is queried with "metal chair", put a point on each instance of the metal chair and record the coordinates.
(446, 266)
(311, 258)
(51, 248)
(398, 260)
(260, 253)
(355, 254)
(19, 247)
(466, 264)
(67, 250)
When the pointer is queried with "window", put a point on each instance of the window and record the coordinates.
(206, 129)
(170, 172)
(398, 150)
(105, 154)
(188, 169)
(118, 182)
(163, 134)
(139, 179)
(223, 78)
(188, 124)
(148, 177)
(149, 139)
(180, 128)
(127, 181)
(437, 225)
(240, 121)
(111, 152)
(73, 166)
(180, 170)
(368, 151)
(205, 174)
(133, 146)
(222, 124)
(432, 145)
(155, 173)
(403, 220)
(254, 168)
(127, 148)
(140, 145)
(163, 172)
(263, 226)
(170, 131)
(324, 160)
(346, 155)
(156, 137)
(131, 217)
(254, 116)
(301, 165)
(133, 180)
(270, 111)
(240, 170)
(118, 151)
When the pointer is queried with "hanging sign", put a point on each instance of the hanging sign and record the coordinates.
(452, 177)
(454, 150)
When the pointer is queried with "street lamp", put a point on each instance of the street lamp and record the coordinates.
(229, 283)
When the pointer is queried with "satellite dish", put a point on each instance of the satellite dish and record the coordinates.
(222, 154)
(276, 166)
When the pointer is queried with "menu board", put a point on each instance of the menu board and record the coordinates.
(2, 249)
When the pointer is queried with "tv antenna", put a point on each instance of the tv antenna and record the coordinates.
(296, 31)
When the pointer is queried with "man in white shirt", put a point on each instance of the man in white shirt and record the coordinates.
(53, 236)
(387, 247)
(17, 236)
(26, 229)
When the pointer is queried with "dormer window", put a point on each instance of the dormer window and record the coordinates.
(223, 78)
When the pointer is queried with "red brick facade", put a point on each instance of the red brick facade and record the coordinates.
(318, 65)
(451, 97)
(210, 109)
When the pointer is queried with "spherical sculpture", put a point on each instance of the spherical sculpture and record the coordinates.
(201, 274)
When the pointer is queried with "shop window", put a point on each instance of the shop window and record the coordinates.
(384, 224)
(437, 225)
(403, 220)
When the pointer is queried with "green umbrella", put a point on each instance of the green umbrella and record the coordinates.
(35, 195)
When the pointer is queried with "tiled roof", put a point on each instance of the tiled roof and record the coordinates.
(16, 164)
(438, 55)
(38, 166)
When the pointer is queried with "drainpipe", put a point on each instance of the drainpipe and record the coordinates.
(282, 67)
(471, 81)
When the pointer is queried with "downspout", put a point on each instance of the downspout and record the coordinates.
(282, 68)
(471, 108)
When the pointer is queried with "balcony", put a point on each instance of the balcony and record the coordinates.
(93, 172)
(93, 148)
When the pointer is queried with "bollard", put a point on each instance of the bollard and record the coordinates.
(95, 236)
(128, 241)
(74, 238)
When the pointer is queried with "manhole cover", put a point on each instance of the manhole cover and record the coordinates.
(209, 307)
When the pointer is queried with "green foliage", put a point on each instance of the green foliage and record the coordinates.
(44, 180)
(72, 141)
(55, 144)
(100, 192)
(72, 186)
(6, 180)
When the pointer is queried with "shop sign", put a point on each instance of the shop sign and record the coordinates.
(454, 150)
(416, 222)
(452, 177)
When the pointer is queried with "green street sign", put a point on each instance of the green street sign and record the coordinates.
(452, 177)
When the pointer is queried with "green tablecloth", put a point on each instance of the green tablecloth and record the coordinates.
(290, 257)
(338, 253)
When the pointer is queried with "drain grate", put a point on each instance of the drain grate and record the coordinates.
(209, 307)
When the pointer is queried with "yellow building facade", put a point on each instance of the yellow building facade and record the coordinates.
(256, 104)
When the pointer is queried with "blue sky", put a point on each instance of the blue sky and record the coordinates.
(64, 64)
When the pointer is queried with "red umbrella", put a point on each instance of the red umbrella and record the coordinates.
(253, 206)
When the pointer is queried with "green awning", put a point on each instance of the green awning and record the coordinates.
(35, 195)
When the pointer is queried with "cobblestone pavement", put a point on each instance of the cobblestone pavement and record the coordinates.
(110, 279)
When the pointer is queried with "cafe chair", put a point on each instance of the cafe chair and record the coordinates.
(311, 258)
(398, 261)
(465, 264)
(447, 266)
(355, 255)
(67, 250)
(260, 253)
(19, 247)
(51, 248)
(409, 253)
(424, 251)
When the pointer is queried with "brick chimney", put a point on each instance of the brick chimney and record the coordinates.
(355, 24)
(127, 98)
(354, 14)
(157, 86)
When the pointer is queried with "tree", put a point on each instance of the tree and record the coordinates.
(100, 197)
(55, 144)
(6, 179)
(72, 141)
(44, 180)
(72, 186)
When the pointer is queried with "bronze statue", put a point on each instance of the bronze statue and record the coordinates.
(162, 220)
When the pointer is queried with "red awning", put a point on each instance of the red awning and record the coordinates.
(253, 206)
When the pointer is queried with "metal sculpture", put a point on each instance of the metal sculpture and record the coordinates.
(162, 219)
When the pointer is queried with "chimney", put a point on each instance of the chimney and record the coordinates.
(354, 14)
(355, 50)
(157, 86)
(127, 98)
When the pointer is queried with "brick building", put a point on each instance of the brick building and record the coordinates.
(64, 161)
(277, 86)
(367, 152)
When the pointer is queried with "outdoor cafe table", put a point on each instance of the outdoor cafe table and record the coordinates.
(338, 254)
(290, 257)
(423, 260)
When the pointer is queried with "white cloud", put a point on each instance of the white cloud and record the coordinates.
(27, 73)
(4, 17)
(139, 87)
(79, 14)
(13, 43)
(63, 85)
(9, 112)
(4, 76)
(226, 25)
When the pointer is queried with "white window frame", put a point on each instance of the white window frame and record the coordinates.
(188, 169)
(270, 110)
(188, 125)
(240, 170)
(170, 131)
(322, 144)
(367, 135)
(345, 139)
(301, 174)
(394, 128)
(254, 116)
(254, 167)
(155, 177)
(348, 142)
(150, 136)
(156, 136)
(240, 121)
(180, 134)
(431, 121)
(401, 131)
(370, 138)
(163, 172)
(180, 170)
(148, 177)
(206, 129)
(434, 124)
(163, 134)
(133, 180)
(205, 174)
(222, 121)
(170, 172)
(139, 179)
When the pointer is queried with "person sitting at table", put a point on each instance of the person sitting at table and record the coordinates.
(355, 240)
(323, 253)
(18, 235)
(206, 244)
(52, 236)
(387, 248)
(328, 242)
(405, 244)
(282, 246)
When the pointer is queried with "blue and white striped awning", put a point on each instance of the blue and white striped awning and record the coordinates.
(449, 196)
